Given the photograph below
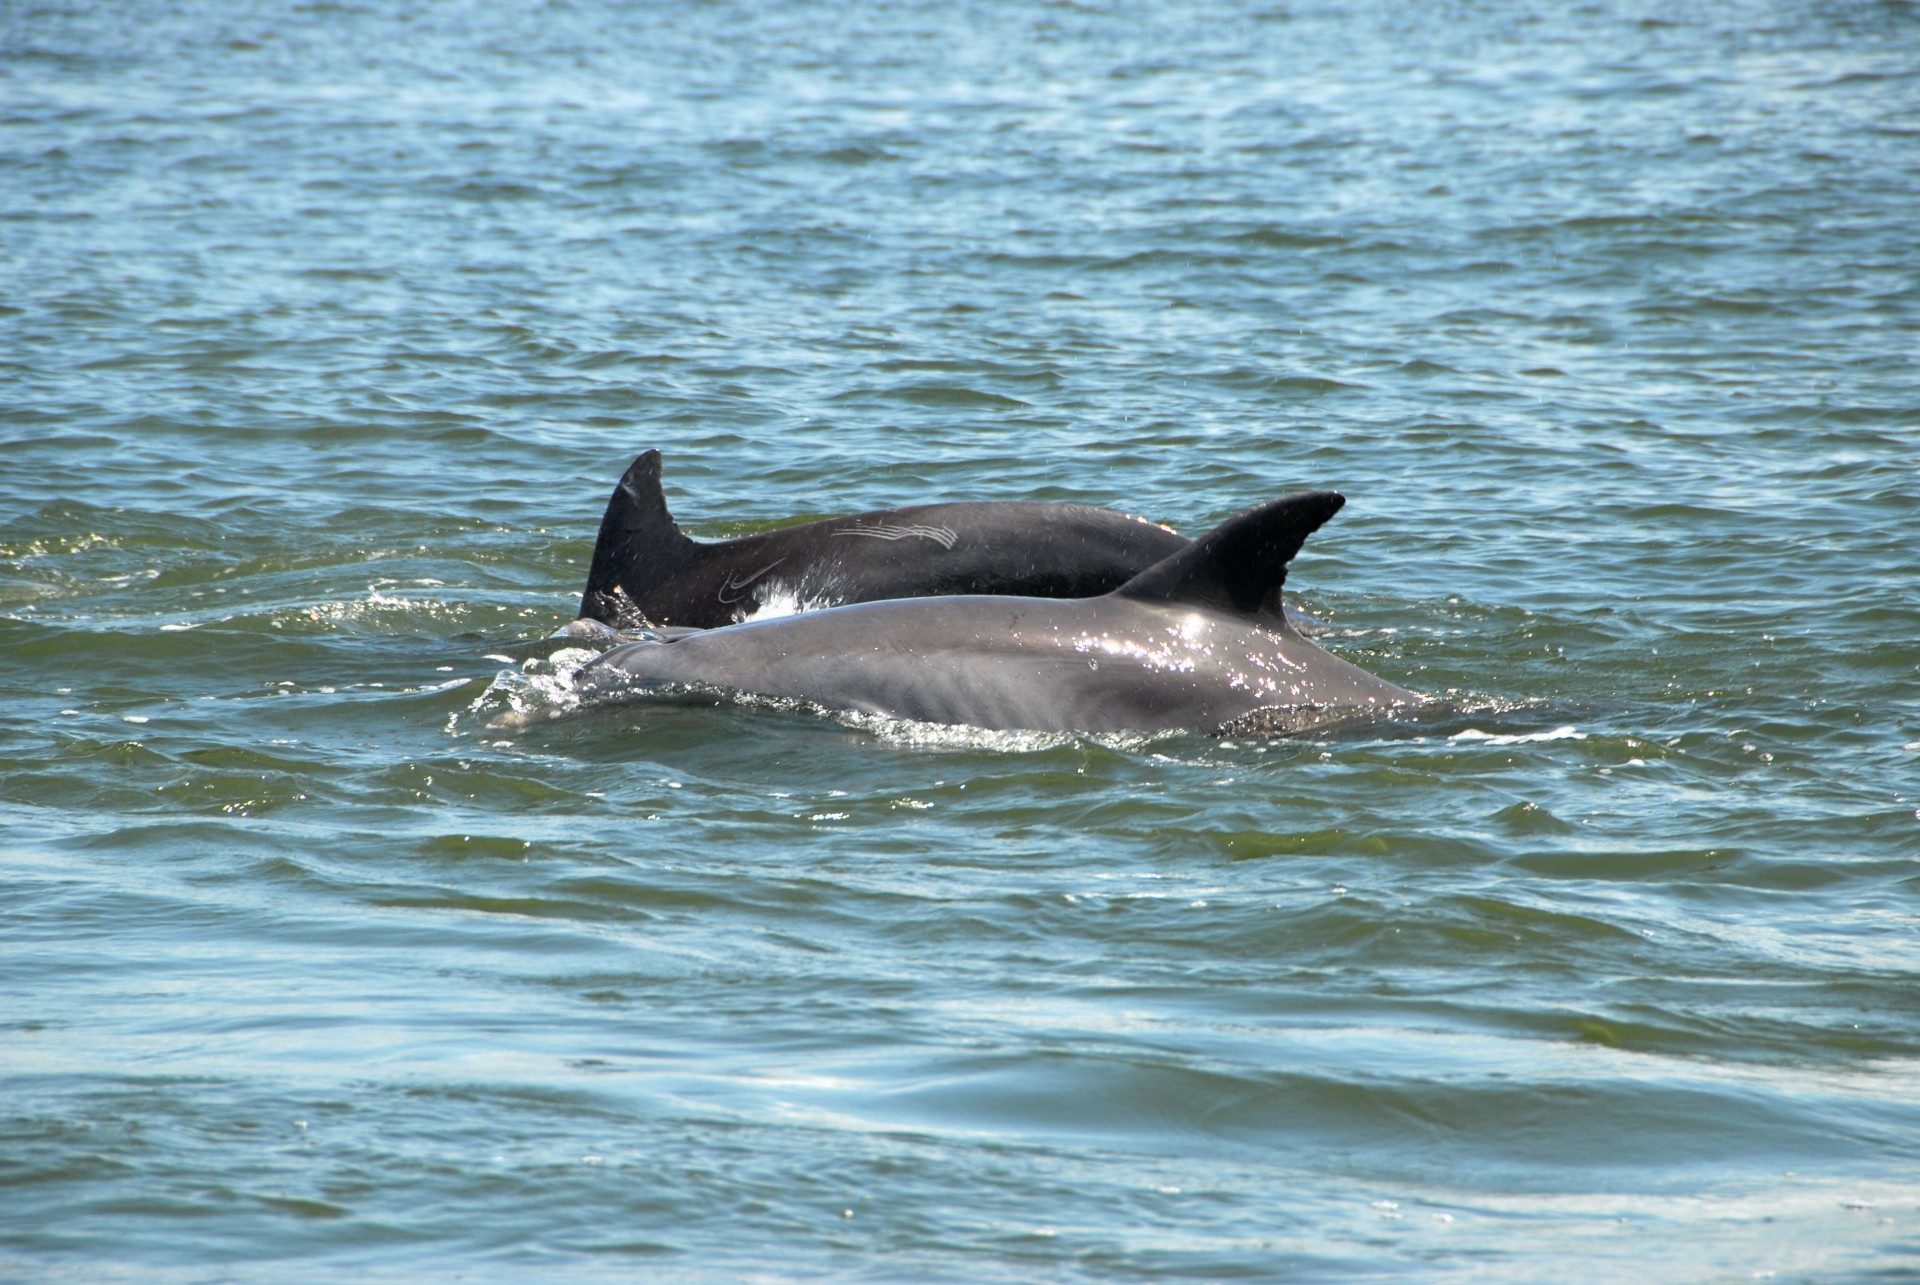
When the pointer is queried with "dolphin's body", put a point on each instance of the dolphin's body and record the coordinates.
(647, 573)
(1198, 641)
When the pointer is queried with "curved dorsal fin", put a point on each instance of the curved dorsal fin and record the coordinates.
(1240, 565)
(636, 531)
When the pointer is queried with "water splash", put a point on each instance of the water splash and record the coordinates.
(540, 690)
(1566, 732)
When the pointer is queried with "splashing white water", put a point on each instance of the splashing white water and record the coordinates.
(541, 688)
(783, 600)
(1566, 732)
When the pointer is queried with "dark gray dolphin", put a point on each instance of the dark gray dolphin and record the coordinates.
(646, 572)
(1195, 642)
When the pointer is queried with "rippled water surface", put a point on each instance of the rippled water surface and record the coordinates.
(325, 330)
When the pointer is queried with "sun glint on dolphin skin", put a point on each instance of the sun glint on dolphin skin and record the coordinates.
(647, 572)
(1193, 642)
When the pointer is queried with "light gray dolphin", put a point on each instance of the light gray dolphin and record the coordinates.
(1196, 642)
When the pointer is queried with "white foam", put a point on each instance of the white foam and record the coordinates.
(541, 689)
(1567, 732)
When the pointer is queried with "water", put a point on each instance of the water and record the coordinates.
(326, 329)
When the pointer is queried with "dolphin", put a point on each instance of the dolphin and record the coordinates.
(1197, 642)
(646, 573)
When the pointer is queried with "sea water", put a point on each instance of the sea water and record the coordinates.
(326, 329)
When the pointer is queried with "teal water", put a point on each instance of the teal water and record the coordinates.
(326, 329)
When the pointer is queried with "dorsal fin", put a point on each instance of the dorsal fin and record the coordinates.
(636, 531)
(1240, 565)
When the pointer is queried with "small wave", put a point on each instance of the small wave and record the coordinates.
(1565, 732)
(935, 394)
(382, 610)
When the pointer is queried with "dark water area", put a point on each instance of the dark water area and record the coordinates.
(326, 329)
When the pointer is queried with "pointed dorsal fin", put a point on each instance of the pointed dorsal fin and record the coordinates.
(637, 530)
(1240, 565)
